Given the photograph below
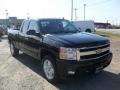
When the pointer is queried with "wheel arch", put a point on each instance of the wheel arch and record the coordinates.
(88, 30)
(44, 52)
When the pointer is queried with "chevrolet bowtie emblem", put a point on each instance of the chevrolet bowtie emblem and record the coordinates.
(98, 51)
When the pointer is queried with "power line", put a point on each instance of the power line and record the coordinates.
(99, 3)
(93, 5)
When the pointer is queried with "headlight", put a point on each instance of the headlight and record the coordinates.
(69, 53)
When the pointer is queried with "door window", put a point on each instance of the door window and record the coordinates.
(25, 26)
(33, 26)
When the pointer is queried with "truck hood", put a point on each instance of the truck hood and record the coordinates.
(77, 40)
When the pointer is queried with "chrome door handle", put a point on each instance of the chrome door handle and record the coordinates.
(26, 38)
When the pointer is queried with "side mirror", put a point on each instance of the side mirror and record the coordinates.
(31, 32)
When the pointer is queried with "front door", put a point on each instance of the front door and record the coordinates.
(34, 40)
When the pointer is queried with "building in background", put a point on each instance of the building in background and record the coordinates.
(10, 22)
(102, 25)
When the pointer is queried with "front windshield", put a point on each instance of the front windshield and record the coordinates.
(57, 26)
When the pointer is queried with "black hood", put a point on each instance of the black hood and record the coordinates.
(77, 40)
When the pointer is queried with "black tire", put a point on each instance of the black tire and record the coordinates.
(49, 58)
(14, 51)
(88, 30)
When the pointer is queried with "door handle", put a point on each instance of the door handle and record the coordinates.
(26, 38)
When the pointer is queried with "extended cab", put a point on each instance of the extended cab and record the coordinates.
(61, 47)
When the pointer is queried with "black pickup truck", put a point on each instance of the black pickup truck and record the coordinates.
(61, 48)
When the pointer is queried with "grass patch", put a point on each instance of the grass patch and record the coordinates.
(107, 34)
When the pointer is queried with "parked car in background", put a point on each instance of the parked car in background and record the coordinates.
(1, 31)
(85, 26)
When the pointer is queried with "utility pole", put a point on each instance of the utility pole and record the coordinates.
(27, 15)
(6, 17)
(84, 11)
(75, 13)
(71, 10)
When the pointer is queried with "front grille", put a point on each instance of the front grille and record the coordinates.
(85, 49)
(94, 52)
(93, 55)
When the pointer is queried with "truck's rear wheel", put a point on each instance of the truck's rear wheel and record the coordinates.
(88, 30)
(49, 69)
(14, 51)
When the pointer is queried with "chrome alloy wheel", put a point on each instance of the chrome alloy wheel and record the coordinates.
(48, 69)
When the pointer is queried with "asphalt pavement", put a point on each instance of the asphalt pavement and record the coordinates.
(24, 73)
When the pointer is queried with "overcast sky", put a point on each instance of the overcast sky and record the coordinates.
(98, 10)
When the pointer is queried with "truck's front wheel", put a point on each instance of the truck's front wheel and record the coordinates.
(49, 69)
(14, 51)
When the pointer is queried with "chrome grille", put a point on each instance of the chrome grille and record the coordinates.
(87, 53)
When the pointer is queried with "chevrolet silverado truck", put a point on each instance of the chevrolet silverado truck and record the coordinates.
(61, 48)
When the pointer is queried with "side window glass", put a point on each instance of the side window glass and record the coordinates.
(68, 26)
(25, 26)
(46, 26)
(33, 26)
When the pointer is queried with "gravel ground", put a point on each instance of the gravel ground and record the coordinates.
(24, 73)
